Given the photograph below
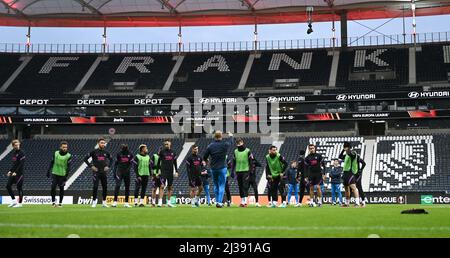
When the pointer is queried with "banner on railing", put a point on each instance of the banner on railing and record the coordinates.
(414, 114)
(288, 98)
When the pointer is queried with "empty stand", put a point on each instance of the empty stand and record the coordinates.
(312, 68)
(403, 163)
(433, 63)
(373, 69)
(9, 63)
(214, 73)
(146, 71)
(51, 75)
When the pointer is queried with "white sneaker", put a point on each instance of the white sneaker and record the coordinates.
(12, 204)
(19, 205)
(170, 205)
(114, 205)
(257, 205)
(298, 205)
(104, 205)
(94, 204)
(126, 205)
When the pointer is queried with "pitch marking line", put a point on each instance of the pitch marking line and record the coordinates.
(257, 228)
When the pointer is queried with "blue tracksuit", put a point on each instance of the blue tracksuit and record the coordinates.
(336, 181)
(205, 183)
(218, 151)
(293, 184)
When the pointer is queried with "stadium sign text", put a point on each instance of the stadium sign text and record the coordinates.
(375, 198)
(214, 113)
(147, 101)
(370, 115)
(41, 120)
(39, 200)
(428, 94)
(31, 102)
(88, 102)
(286, 99)
(345, 97)
(430, 199)
(118, 120)
(217, 100)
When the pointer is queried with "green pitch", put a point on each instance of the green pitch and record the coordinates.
(328, 221)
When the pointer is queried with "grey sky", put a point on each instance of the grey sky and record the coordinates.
(217, 33)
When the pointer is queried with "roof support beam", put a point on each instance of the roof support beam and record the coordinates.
(15, 10)
(166, 4)
(249, 5)
(105, 3)
(182, 1)
(30, 4)
(90, 7)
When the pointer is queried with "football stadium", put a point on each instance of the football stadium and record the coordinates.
(335, 137)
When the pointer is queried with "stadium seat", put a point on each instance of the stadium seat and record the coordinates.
(367, 70)
(51, 75)
(407, 163)
(149, 72)
(433, 63)
(311, 67)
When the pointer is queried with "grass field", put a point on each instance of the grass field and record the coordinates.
(328, 221)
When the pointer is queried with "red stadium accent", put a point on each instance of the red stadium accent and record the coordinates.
(157, 120)
(83, 120)
(246, 119)
(5, 120)
(422, 114)
(264, 12)
(322, 117)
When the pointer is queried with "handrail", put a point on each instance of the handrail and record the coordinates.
(379, 40)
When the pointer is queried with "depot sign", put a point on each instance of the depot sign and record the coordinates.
(33, 102)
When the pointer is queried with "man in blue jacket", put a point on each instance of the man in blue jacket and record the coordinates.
(217, 152)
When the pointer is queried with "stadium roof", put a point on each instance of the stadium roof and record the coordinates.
(159, 13)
